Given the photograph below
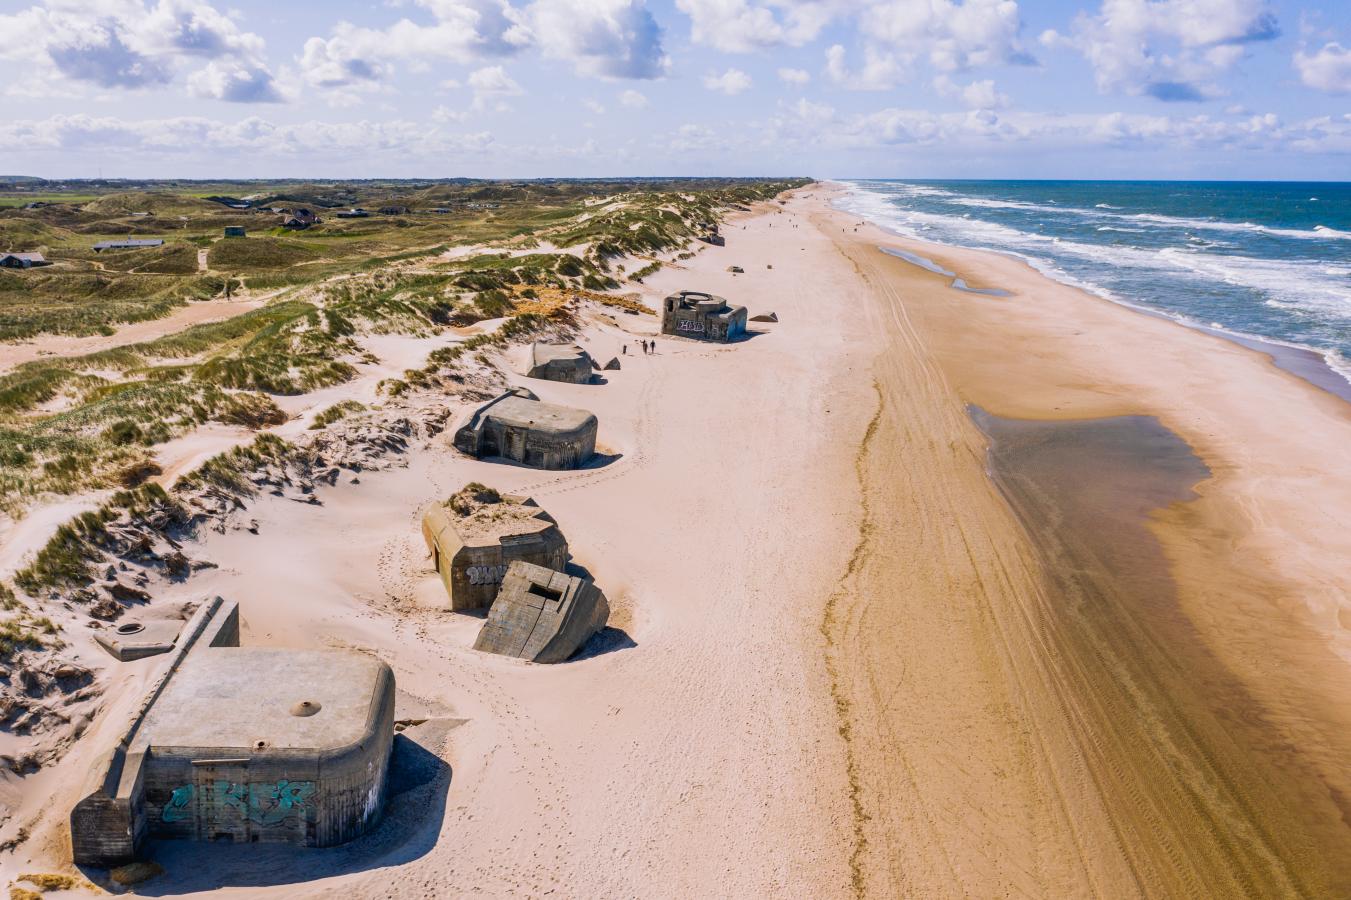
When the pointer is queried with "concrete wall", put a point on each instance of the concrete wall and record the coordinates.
(540, 449)
(570, 369)
(108, 824)
(542, 615)
(485, 435)
(474, 574)
(472, 568)
(314, 798)
(298, 797)
(706, 321)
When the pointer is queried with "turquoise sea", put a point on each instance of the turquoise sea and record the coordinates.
(1264, 260)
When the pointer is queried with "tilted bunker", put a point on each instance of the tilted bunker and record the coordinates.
(247, 745)
(560, 362)
(517, 426)
(694, 314)
(542, 615)
(476, 534)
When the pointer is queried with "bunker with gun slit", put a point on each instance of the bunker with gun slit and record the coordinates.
(705, 317)
(478, 532)
(244, 745)
(560, 362)
(542, 615)
(515, 425)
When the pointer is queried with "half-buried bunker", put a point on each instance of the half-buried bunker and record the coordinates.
(560, 362)
(477, 533)
(517, 426)
(244, 745)
(542, 615)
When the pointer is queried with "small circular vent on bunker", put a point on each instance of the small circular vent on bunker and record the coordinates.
(306, 708)
(130, 628)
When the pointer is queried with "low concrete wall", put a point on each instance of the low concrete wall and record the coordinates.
(313, 797)
(107, 826)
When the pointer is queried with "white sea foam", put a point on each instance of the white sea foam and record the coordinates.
(1105, 210)
(1315, 292)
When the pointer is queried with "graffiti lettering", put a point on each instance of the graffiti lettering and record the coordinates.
(486, 574)
(686, 325)
(263, 803)
(266, 803)
(176, 810)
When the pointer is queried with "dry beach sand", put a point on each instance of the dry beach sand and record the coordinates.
(851, 652)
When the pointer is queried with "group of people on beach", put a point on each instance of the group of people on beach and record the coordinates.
(649, 348)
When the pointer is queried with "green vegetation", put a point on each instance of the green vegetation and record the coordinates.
(19, 628)
(92, 421)
(69, 557)
(650, 269)
(251, 253)
(335, 412)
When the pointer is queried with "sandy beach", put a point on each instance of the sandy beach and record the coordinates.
(852, 652)
(1030, 717)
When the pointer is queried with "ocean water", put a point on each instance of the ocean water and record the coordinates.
(1259, 260)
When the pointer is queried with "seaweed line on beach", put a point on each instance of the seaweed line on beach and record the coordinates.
(828, 625)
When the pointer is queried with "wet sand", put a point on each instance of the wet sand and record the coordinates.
(1088, 655)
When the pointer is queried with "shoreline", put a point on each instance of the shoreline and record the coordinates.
(1308, 363)
(1259, 583)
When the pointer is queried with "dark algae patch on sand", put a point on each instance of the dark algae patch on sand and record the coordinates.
(1205, 798)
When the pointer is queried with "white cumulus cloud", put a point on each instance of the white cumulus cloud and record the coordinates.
(731, 82)
(608, 38)
(130, 44)
(881, 71)
(1328, 69)
(1172, 50)
(798, 77)
(741, 26)
(976, 95)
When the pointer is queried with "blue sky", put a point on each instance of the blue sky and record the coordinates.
(491, 88)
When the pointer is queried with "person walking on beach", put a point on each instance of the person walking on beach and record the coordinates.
(624, 350)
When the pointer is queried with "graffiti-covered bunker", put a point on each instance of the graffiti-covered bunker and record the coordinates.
(694, 314)
(477, 533)
(516, 425)
(245, 745)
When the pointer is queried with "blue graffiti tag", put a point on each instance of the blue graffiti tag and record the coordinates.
(176, 810)
(266, 803)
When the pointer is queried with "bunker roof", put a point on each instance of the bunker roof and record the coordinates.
(697, 299)
(511, 515)
(521, 412)
(228, 698)
(543, 353)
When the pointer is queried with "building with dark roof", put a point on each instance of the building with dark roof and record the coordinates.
(22, 260)
(128, 244)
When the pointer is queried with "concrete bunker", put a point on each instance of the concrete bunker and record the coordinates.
(517, 426)
(245, 745)
(477, 533)
(542, 615)
(560, 362)
(695, 314)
